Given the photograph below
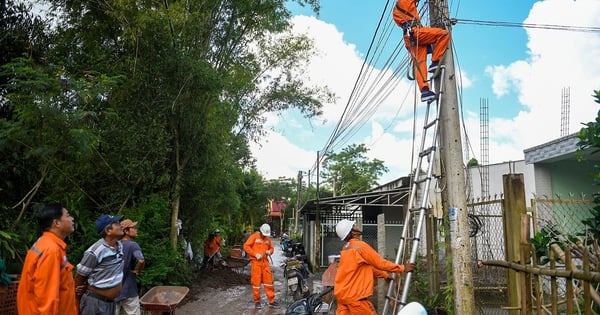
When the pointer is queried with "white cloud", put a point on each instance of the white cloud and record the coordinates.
(556, 59)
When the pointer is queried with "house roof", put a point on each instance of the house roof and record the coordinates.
(556, 150)
(392, 197)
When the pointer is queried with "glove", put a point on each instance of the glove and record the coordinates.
(408, 267)
(258, 256)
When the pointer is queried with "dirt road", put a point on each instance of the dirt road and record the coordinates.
(227, 292)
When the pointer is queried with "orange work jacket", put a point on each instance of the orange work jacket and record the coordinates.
(356, 269)
(46, 285)
(405, 11)
(211, 247)
(258, 244)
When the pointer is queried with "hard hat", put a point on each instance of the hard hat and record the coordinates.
(217, 231)
(343, 228)
(413, 308)
(265, 229)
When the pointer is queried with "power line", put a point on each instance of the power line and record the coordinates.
(570, 28)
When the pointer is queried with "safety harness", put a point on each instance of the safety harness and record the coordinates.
(408, 25)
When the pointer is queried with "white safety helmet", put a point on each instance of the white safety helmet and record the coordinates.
(343, 228)
(265, 229)
(413, 308)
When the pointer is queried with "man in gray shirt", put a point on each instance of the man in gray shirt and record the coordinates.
(100, 271)
(129, 300)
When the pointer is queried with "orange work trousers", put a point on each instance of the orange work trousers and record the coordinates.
(363, 307)
(260, 272)
(421, 38)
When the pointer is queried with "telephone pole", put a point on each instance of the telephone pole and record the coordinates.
(454, 195)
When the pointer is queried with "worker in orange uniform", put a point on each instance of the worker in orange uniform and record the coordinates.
(210, 249)
(47, 285)
(258, 247)
(218, 242)
(359, 264)
(417, 39)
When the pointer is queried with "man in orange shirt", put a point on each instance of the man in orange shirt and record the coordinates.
(218, 242)
(417, 39)
(47, 285)
(359, 263)
(210, 249)
(258, 247)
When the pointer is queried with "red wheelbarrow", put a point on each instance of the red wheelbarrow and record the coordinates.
(162, 299)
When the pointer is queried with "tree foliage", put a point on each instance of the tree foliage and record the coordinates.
(350, 171)
(144, 109)
(589, 140)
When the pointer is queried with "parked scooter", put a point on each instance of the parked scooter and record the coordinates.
(309, 305)
(293, 248)
(295, 271)
(286, 244)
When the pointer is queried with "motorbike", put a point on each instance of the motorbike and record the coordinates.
(286, 243)
(295, 271)
(293, 248)
(309, 305)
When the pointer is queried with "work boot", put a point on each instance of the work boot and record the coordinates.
(427, 95)
(433, 66)
(274, 304)
(257, 305)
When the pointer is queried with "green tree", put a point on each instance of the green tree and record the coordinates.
(350, 172)
(137, 107)
(589, 141)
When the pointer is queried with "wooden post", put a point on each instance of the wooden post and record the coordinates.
(514, 206)
(553, 285)
(526, 292)
(569, 294)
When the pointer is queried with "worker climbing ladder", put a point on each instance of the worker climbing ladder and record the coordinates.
(418, 202)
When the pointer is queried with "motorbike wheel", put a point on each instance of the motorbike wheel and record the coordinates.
(297, 293)
(332, 307)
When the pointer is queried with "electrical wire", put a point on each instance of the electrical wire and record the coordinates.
(571, 28)
(372, 89)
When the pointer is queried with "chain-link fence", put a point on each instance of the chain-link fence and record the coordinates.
(559, 220)
(563, 216)
(487, 243)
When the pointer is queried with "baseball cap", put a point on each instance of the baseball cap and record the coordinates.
(128, 223)
(106, 219)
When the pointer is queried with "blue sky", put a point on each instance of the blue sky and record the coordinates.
(521, 73)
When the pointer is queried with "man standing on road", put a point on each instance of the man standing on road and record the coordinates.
(359, 262)
(100, 272)
(258, 247)
(133, 263)
(47, 285)
(218, 243)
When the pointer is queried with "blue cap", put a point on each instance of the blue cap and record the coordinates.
(106, 219)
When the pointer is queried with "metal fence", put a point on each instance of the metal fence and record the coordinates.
(558, 217)
(562, 216)
(560, 220)
(487, 243)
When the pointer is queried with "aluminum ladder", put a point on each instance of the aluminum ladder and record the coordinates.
(418, 204)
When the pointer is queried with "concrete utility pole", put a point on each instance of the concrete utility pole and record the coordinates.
(455, 190)
(298, 195)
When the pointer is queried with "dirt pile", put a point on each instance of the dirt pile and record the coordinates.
(208, 280)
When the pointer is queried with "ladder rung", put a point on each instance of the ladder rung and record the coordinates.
(427, 151)
(420, 181)
(417, 209)
(433, 122)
